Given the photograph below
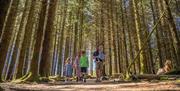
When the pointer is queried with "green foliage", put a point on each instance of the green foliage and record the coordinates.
(164, 78)
(178, 80)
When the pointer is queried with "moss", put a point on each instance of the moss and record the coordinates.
(164, 78)
(22, 79)
(178, 80)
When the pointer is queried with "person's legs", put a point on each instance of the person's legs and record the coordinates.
(97, 71)
(81, 74)
(85, 74)
(97, 74)
(76, 75)
(101, 69)
(67, 78)
(78, 72)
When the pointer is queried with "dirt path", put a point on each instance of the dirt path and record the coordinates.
(92, 86)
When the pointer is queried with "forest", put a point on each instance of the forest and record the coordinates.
(37, 36)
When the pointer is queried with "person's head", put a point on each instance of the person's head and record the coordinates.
(97, 49)
(100, 47)
(83, 52)
(68, 61)
(78, 54)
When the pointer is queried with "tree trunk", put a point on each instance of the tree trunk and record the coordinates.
(48, 46)
(139, 35)
(62, 31)
(176, 41)
(27, 40)
(129, 38)
(4, 5)
(39, 41)
(7, 36)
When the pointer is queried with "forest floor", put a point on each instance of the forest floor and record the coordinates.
(91, 85)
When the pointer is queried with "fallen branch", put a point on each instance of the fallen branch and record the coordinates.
(157, 77)
(146, 40)
(22, 79)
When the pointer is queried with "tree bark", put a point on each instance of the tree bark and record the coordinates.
(7, 36)
(37, 55)
(139, 35)
(48, 45)
(4, 5)
(172, 26)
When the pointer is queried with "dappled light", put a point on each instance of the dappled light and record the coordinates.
(89, 44)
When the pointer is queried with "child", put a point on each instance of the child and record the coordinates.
(84, 65)
(167, 67)
(77, 66)
(68, 69)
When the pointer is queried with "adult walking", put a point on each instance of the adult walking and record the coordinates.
(99, 57)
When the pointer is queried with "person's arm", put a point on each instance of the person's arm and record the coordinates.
(75, 62)
(65, 69)
(80, 61)
(103, 55)
(94, 55)
(87, 61)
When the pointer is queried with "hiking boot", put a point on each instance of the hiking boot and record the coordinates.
(84, 80)
(77, 79)
(97, 80)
